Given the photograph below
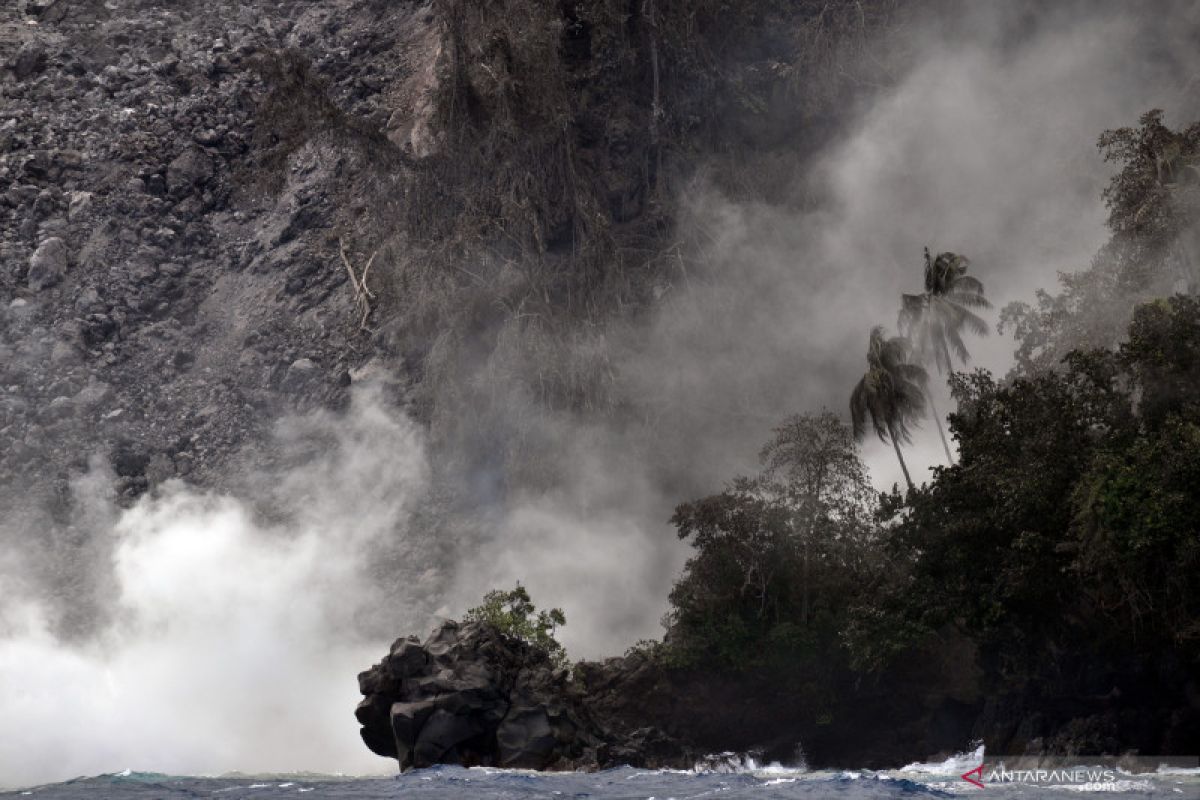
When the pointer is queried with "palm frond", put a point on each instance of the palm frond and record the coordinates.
(891, 393)
(912, 310)
(970, 320)
(956, 344)
(967, 283)
(859, 408)
(914, 373)
(968, 299)
(937, 335)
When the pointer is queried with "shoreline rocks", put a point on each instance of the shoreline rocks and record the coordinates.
(470, 695)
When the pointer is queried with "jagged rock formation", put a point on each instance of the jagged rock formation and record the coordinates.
(470, 695)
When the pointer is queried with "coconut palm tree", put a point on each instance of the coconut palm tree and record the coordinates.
(890, 393)
(934, 320)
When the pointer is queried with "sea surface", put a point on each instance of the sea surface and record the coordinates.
(745, 781)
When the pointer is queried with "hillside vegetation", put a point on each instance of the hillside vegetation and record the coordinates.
(1040, 593)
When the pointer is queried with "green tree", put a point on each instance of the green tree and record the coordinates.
(1154, 207)
(737, 590)
(514, 614)
(776, 555)
(934, 321)
(1135, 527)
(891, 393)
(813, 468)
(1065, 543)
(1154, 195)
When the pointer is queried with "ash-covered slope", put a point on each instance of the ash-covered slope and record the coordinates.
(216, 213)
(180, 177)
(176, 186)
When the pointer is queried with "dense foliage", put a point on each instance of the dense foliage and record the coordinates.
(1154, 215)
(1055, 567)
(776, 553)
(514, 614)
(1064, 546)
(1072, 512)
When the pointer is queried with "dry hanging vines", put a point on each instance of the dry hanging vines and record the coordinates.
(362, 294)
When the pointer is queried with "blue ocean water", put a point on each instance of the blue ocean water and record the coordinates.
(452, 783)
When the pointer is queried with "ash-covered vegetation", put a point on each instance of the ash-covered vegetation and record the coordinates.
(1040, 592)
(541, 224)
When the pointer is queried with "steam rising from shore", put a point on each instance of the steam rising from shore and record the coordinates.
(232, 641)
(227, 639)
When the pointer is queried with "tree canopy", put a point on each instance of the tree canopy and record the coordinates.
(514, 614)
(891, 393)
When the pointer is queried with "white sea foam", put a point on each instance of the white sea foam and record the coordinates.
(954, 765)
(1166, 769)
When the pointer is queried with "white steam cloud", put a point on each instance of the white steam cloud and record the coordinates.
(234, 641)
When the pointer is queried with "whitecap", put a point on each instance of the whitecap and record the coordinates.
(954, 765)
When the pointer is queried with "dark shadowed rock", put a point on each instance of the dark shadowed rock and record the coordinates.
(525, 739)
(408, 656)
(29, 61)
(442, 735)
(191, 169)
(470, 695)
(406, 722)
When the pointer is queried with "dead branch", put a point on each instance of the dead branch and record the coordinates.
(362, 293)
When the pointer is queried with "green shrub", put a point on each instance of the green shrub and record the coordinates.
(514, 614)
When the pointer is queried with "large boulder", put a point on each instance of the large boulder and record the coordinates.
(525, 738)
(470, 695)
(29, 62)
(191, 169)
(48, 264)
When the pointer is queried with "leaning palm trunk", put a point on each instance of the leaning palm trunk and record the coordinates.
(935, 319)
(937, 420)
(899, 455)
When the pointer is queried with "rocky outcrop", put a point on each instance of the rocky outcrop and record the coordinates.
(470, 695)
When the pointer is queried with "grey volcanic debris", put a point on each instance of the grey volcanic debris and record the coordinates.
(215, 214)
(170, 211)
(470, 695)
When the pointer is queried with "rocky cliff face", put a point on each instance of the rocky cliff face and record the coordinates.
(191, 193)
